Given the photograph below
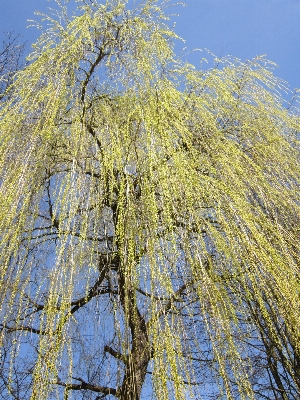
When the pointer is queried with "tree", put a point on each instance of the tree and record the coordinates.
(149, 219)
(10, 60)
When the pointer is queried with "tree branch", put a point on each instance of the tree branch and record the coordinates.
(115, 354)
(164, 309)
(87, 386)
(75, 306)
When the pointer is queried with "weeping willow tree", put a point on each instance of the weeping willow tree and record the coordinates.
(149, 219)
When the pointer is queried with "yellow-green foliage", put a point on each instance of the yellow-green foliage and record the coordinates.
(191, 176)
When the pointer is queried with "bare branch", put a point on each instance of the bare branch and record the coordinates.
(87, 386)
(115, 354)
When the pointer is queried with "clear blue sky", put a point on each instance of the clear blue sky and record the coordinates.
(242, 28)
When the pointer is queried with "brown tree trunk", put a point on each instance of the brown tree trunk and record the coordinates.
(140, 354)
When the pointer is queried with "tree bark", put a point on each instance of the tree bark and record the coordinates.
(140, 354)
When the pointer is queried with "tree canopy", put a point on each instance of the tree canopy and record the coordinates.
(149, 218)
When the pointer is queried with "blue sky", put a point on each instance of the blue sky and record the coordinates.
(242, 28)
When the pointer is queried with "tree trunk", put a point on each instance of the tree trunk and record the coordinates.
(140, 354)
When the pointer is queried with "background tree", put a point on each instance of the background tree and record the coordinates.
(11, 60)
(149, 219)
